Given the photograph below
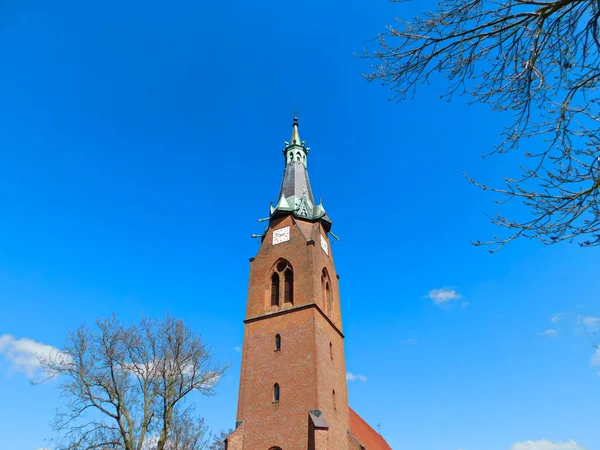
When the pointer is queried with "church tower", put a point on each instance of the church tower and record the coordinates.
(293, 392)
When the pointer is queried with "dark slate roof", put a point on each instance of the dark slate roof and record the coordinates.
(296, 182)
(318, 419)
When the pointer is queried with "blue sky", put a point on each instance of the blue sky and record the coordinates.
(139, 143)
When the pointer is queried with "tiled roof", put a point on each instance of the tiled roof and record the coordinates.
(367, 436)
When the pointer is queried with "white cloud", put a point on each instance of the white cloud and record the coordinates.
(551, 332)
(443, 295)
(547, 445)
(591, 322)
(463, 305)
(238, 349)
(410, 341)
(23, 354)
(351, 377)
(556, 317)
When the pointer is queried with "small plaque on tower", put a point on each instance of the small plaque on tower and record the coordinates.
(281, 235)
(324, 245)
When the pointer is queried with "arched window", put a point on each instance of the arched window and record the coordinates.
(277, 342)
(275, 289)
(281, 289)
(333, 400)
(327, 296)
(276, 393)
(298, 157)
(330, 350)
(288, 283)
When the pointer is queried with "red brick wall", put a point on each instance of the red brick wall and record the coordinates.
(303, 368)
(282, 424)
(353, 443)
(235, 441)
(307, 261)
(322, 440)
(331, 373)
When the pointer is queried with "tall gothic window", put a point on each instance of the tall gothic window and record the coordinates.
(277, 342)
(275, 289)
(276, 393)
(288, 283)
(329, 298)
(282, 284)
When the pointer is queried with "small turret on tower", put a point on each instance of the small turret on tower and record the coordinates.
(295, 150)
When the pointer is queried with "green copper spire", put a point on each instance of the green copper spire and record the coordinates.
(296, 195)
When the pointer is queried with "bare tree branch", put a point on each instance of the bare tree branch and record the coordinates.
(536, 59)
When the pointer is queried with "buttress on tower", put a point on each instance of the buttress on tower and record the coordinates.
(293, 393)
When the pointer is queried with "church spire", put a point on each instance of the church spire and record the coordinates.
(295, 195)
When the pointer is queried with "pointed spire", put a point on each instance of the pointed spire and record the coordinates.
(296, 150)
(295, 195)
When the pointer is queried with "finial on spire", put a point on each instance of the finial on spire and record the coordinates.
(295, 150)
(295, 135)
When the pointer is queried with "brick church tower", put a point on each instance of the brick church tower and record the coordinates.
(293, 393)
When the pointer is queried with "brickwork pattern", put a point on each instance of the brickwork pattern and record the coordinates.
(235, 441)
(303, 368)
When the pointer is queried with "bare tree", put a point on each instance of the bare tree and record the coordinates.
(219, 440)
(537, 59)
(188, 432)
(125, 386)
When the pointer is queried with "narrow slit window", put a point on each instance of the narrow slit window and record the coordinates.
(276, 392)
(275, 290)
(331, 350)
(333, 400)
(288, 293)
(277, 342)
(329, 299)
